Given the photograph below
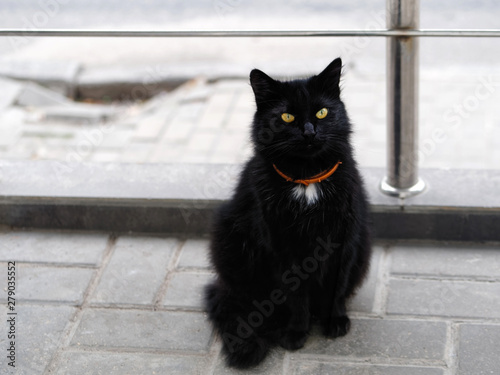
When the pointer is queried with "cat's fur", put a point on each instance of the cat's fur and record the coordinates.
(285, 254)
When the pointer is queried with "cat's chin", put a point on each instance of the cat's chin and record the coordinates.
(308, 150)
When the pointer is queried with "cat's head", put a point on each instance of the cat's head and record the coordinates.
(300, 118)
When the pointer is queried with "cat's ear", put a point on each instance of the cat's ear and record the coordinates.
(263, 86)
(330, 76)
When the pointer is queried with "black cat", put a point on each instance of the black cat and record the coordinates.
(293, 242)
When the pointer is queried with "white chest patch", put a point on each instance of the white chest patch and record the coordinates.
(310, 193)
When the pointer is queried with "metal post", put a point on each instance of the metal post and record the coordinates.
(402, 102)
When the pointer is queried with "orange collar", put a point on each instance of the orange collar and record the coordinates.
(316, 178)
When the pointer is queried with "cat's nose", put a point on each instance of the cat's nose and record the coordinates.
(309, 133)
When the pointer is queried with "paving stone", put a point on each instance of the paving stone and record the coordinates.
(10, 91)
(494, 155)
(50, 150)
(118, 138)
(231, 85)
(240, 121)
(245, 100)
(213, 119)
(91, 138)
(229, 105)
(322, 368)
(136, 270)
(194, 254)
(194, 157)
(150, 127)
(371, 156)
(161, 330)
(202, 141)
(200, 93)
(57, 133)
(190, 110)
(104, 156)
(272, 365)
(22, 150)
(166, 153)
(245, 153)
(364, 298)
(38, 333)
(125, 82)
(478, 349)
(51, 72)
(52, 247)
(33, 95)
(224, 158)
(409, 339)
(80, 113)
(179, 129)
(11, 122)
(217, 110)
(231, 142)
(446, 261)
(26, 148)
(444, 298)
(186, 290)
(136, 153)
(85, 363)
(53, 283)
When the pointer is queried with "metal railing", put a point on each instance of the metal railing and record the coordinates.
(101, 33)
(402, 32)
(402, 102)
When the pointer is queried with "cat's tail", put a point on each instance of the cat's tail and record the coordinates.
(242, 346)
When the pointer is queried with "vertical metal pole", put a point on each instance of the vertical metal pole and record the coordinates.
(402, 102)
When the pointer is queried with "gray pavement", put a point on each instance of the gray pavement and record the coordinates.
(93, 303)
(208, 119)
(209, 122)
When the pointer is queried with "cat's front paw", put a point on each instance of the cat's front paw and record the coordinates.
(337, 326)
(293, 340)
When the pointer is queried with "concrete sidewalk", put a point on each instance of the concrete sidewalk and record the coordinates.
(93, 303)
(209, 122)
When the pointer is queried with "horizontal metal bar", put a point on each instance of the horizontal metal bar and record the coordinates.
(494, 33)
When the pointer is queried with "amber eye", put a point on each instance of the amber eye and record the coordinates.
(322, 113)
(287, 117)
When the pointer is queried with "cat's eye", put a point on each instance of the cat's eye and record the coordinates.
(287, 117)
(322, 113)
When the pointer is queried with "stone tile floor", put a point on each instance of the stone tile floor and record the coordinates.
(209, 122)
(95, 303)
